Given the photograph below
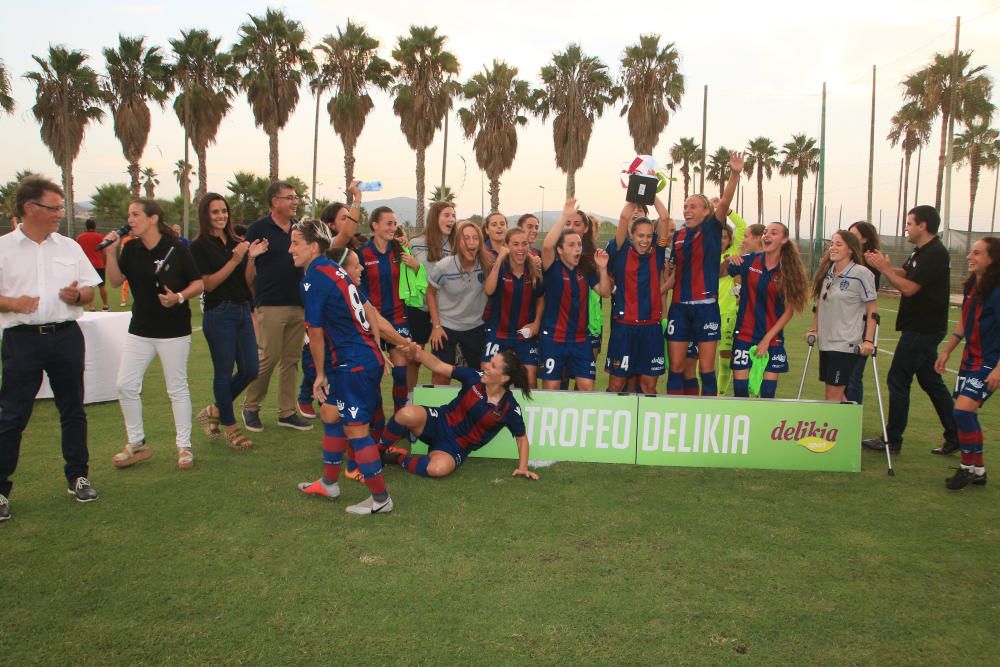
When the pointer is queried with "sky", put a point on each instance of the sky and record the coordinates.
(764, 64)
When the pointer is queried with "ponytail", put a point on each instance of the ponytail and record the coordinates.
(515, 370)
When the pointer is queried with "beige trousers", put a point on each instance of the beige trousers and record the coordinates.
(280, 334)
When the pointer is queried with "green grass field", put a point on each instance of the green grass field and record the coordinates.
(593, 564)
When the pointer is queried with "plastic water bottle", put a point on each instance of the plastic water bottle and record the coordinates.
(370, 186)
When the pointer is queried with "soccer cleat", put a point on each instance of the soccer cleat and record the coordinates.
(294, 421)
(251, 419)
(4, 508)
(391, 454)
(980, 480)
(371, 506)
(318, 488)
(82, 490)
(354, 474)
(132, 454)
(961, 479)
(307, 411)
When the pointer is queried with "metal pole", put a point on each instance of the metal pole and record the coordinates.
(670, 187)
(781, 208)
(899, 196)
(946, 218)
(704, 138)
(821, 194)
(791, 185)
(541, 211)
(871, 153)
(315, 155)
(916, 186)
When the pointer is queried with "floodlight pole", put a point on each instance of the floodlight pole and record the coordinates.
(820, 193)
(871, 153)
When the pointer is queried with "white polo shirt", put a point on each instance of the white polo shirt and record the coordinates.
(42, 269)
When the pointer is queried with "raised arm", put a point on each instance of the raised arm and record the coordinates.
(624, 222)
(552, 237)
(434, 364)
(736, 162)
(604, 286)
(346, 231)
(112, 272)
(490, 285)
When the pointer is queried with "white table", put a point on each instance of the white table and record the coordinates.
(104, 334)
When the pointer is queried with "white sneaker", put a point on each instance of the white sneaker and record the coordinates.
(370, 506)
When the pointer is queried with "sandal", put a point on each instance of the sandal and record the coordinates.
(209, 422)
(132, 454)
(185, 459)
(236, 440)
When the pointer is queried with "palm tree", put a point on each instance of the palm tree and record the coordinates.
(150, 181)
(687, 152)
(182, 173)
(762, 156)
(110, 202)
(67, 95)
(443, 193)
(576, 89)
(206, 82)
(272, 59)
(135, 74)
(718, 168)
(653, 87)
(910, 128)
(422, 92)
(249, 197)
(351, 66)
(801, 158)
(497, 99)
(6, 101)
(932, 87)
(978, 146)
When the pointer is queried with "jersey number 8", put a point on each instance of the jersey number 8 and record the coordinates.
(359, 308)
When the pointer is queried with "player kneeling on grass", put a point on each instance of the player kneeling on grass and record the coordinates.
(484, 405)
(978, 376)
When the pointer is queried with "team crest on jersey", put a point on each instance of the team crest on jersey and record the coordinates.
(353, 411)
(340, 406)
(844, 284)
(517, 410)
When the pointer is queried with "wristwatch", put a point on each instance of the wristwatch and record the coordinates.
(180, 298)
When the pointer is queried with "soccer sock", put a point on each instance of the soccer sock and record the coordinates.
(393, 433)
(741, 388)
(970, 438)
(334, 444)
(725, 376)
(768, 388)
(675, 383)
(370, 465)
(398, 387)
(691, 386)
(416, 464)
(377, 424)
(709, 387)
(352, 465)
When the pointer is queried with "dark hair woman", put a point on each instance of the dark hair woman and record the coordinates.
(868, 237)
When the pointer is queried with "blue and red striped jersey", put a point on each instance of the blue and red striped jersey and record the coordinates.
(332, 301)
(512, 304)
(760, 303)
(380, 282)
(981, 323)
(473, 419)
(567, 302)
(489, 246)
(696, 256)
(637, 283)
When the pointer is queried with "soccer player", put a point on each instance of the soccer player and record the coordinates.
(381, 260)
(774, 287)
(529, 223)
(495, 232)
(568, 277)
(484, 405)
(637, 260)
(341, 323)
(729, 299)
(978, 376)
(694, 311)
(514, 312)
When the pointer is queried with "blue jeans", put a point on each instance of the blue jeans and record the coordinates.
(229, 332)
(915, 355)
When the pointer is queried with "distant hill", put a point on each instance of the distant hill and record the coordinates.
(406, 211)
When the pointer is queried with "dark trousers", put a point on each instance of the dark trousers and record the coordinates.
(915, 356)
(25, 355)
(856, 385)
(228, 330)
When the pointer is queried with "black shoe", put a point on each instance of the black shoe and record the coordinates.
(82, 490)
(294, 421)
(946, 449)
(961, 479)
(4, 508)
(251, 419)
(980, 480)
(877, 444)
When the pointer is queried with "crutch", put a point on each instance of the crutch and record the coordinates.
(811, 340)
(878, 392)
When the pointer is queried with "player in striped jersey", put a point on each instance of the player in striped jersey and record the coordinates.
(774, 287)
(495, 232)
(636, 261)
(978, 376)
(341, 323)
(568, 277)
(514, 312)
(483, 407)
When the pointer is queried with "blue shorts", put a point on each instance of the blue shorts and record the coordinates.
(635, 349)
(525, 348)
(576, 358)
(973, 384)
(403, 330)
(694, 322)
(438, 436)
(357, 395)
(778, 363)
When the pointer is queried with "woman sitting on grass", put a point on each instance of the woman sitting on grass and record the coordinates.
(978, 376)
(484, 405)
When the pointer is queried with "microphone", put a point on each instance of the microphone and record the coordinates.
(122, 232)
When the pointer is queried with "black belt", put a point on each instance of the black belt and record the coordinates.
(43, 328)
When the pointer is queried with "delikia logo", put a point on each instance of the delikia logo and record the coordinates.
(814, 437)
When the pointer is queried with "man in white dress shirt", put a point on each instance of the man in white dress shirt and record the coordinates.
(45, 282)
